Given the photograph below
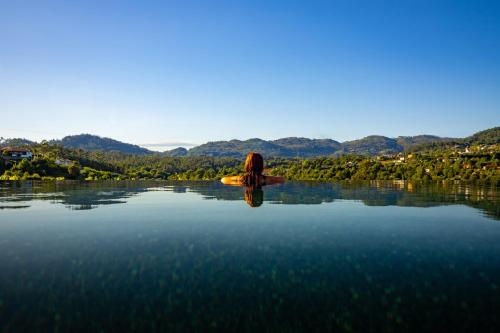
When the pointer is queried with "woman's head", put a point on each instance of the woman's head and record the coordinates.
(254, 163)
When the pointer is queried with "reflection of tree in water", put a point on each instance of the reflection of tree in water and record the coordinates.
(14, 207)
(370, 193)
(179, 189)
(92, 198)
(74, 195)
(88, 195)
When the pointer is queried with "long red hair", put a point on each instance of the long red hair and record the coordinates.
(254, 165)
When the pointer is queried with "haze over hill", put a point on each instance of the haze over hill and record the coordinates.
(285, 147)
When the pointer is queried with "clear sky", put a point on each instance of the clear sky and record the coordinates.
(180, 72)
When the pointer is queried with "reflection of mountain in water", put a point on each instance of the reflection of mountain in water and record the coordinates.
(371, 194)
(88, 195)
(74, 195)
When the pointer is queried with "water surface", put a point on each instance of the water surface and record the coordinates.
(177, 256)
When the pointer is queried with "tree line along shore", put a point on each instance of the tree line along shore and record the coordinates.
(476, 163)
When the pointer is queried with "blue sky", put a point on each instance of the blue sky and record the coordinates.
(180, 72)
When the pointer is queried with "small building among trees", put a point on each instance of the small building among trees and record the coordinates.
(12, 153)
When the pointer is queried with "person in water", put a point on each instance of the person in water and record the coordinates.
(253, 177)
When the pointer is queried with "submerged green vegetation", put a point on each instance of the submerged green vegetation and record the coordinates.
(54, 162)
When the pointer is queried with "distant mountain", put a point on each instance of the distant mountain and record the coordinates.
(238, 148)
(309, 147)
(94, 142)
(407, 142)
(285, 147)
(298, 147)
(177, 152)
(372, 145)
(15, 142)
(487, 137)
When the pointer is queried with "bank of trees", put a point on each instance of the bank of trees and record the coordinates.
(419, 167)
(434, 164)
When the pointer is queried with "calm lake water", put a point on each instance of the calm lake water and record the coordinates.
(196, 256)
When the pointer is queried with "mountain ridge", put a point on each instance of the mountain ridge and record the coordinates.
(94, 142)
(284, 147)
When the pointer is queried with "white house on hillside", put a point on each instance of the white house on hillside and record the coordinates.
(11, 153)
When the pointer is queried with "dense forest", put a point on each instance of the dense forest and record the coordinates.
(55, 162)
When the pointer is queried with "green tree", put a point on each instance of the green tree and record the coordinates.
(74, 170)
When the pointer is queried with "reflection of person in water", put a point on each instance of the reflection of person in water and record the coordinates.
(254, 196)
(254, 166)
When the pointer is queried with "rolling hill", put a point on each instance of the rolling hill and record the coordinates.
(488, 137)
(177, 152)
(407, 142)
(285, 147)
(238, 148)
(309, 147)
(372, 145)
(15, 142)
(94, 142)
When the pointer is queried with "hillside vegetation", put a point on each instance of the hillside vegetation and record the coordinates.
(372, 145)
(475, 163)
(475, 158)
(487, 137)
(93, 142)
